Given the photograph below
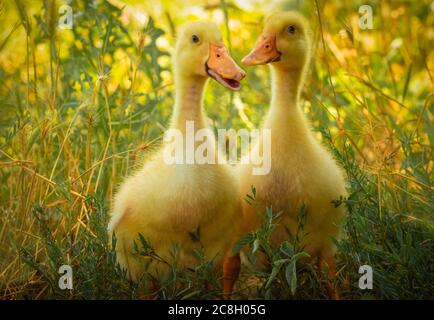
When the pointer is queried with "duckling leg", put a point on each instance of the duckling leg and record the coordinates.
(151, 292)
(231, 270)
(331, 264)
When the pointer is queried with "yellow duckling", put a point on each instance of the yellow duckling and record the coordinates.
(165, 202)
(303, 173)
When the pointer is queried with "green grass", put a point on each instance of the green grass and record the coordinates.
(80, 109)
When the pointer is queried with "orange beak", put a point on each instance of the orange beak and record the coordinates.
(221, 67)
(265, 52)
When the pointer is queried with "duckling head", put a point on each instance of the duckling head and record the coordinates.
(285, 42)
(200, 52)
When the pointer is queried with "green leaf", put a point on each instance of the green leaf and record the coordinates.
(291, 276)
(253, 191)
(274, 272)
(191, 295)
(246, 239)
(256, 245)
(277, 265)
(280, 262)
(195, 236)
(287, 248)
(299, 255)
(407, 82)
(269, 212)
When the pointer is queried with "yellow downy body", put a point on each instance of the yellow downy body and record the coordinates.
(303, 172)
(166, 203)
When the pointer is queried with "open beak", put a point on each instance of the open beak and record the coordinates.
(221, 67)
(265, 52)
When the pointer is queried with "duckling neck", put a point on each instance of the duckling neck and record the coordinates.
(188, 102)
(290, 130)
(286, 87)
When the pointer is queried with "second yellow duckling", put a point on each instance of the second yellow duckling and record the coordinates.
(303, 172)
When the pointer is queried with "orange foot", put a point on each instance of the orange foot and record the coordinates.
(231, 270)
(331, 281)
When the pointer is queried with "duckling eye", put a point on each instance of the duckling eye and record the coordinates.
(195, 39)
(291, 29)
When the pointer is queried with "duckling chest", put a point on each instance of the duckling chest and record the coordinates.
(196, 196)
(284, 189)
